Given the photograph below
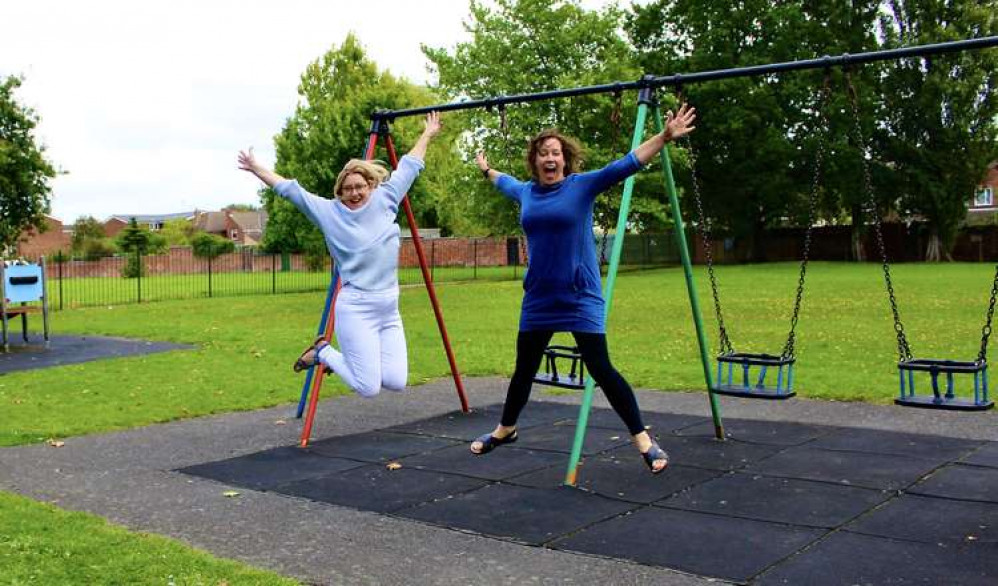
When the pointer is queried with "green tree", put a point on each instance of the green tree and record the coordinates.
(24, 171)
(939, 130)
(526, 46)
(338, 93)
(137, 241)
(89, 240)
(205, 245)
(177, 232)
(756, 138)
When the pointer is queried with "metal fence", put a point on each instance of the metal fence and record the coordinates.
(178, 274)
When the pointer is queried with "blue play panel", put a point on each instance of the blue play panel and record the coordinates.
(778, 503)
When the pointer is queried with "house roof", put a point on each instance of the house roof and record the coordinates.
(153, 218)
(210, 221)
(250, 221)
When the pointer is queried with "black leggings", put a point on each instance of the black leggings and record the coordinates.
(529, 353)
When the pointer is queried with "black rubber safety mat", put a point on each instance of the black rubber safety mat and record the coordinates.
(65, 350)
(376, 488)
(961, 482)
(620, 478)
(775, 433)
(376, 446)
(781, 500)
(928, 447)
(709, 545)
(560, 437)
(500, 464)
(710, 453)
(268, 469)
(656, 423)
(527, 515)
(848, 558)
(933, 520)
(767, 506)
(853, 468)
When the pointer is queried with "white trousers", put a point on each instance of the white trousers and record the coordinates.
(372, 351)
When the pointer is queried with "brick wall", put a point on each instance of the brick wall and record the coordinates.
(34, 244)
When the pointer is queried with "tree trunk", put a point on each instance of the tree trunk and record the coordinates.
(934, 248)
(857, 251)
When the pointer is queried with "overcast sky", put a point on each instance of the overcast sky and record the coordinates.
(145, 105)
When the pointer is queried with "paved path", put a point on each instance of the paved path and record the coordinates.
(128, 478)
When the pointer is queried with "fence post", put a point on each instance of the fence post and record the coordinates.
(475, 243)
(62, 259)
(209, 276)
(138, 271)
(273, 274)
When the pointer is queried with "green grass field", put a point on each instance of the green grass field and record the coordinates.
(245, 346)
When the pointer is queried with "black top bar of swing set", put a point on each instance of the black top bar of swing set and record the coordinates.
(652, 81)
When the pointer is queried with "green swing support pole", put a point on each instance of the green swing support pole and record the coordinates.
(691, 288)
(611, 278)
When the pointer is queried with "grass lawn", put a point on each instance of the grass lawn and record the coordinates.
(246, 344)
(846, 344)
(41, 544)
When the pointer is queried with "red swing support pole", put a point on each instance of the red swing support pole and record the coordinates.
(418, 245)
(380, 127)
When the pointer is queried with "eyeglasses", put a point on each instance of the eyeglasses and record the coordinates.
(359, 188)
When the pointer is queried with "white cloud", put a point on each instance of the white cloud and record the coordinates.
(145, 105)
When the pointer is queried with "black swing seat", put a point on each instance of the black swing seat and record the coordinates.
(728, 385)
(943, 398)
(576, 377)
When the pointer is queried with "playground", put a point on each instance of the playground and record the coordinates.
(191, 432)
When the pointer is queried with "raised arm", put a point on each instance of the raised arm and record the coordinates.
(247, 162)
(483, 166)
(675, 127)
(432, 128)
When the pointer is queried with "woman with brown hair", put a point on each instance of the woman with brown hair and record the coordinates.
(562, 290)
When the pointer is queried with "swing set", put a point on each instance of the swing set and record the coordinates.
(749, 384)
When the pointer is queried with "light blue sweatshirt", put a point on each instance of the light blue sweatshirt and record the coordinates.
(364, 242)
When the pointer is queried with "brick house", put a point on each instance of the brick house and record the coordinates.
(34, 244)
(243, 228)
(154, 222)
(985, 197)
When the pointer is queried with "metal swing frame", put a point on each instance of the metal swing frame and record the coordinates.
(940, 398)
(749, 380)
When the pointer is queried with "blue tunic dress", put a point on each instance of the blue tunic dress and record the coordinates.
(562, 289)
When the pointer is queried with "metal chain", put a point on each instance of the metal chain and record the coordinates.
(982, 356)
(812, 213)
(904, 350)
(724, 342)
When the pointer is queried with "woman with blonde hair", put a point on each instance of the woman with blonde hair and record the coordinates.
(561, 289)
(363, 237)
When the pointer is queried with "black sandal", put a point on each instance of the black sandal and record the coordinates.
(303, 364)
(490, 442)
(654, 454)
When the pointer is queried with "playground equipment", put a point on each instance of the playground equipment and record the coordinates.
(783, 362)
(380, 128)
(647, 102)
(907, 364)
(21, 285)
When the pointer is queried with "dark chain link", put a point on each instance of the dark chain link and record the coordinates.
(982, 356)
(724, 342)
(812, 213)
(904, 350)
